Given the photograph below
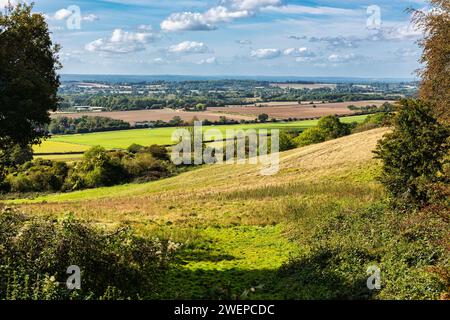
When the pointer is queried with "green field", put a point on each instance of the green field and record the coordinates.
(146, 137)
(234, 224)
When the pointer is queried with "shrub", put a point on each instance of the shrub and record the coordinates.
(287, 141)
(98, 168)
(145, 167)
(333, 128)
(38, 176)
(413, 154)
(158, 152)
(310, 136)
(329, 127)
(36, 252)
(373, 121)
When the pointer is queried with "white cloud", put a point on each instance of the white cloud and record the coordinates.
(295, 52)
(189, 47)
(62, 14)
(4, 3)
(345, 58)
(121, 42)
(194, 21)
(90, 18)
(296, 9)
(244, 42)
(401, 32)
(265, 53)
(160, 61)
(253, 4)
(229, 10)
(212, 60)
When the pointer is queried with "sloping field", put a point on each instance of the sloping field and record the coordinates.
(284, 110)
(309, 164)
(55, 147)
(233, 222)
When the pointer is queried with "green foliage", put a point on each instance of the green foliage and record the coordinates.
(328, 128)
(98, 168)
(374, 121)
(341, 244)
(36, 252)
(413, 154)
(28, 78)
(38, 176)
(85, 124)
(333, 128)
(158, 152)
(310, 136)
(145, 167)
(287, 141)
(263, 117)
(15, 155)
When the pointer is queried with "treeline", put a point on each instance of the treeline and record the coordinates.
(328, 128)
(85, 124)
(98, 168)
(385, 107)
(122, 102)
(195, 99)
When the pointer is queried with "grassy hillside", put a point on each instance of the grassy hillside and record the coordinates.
(236, 225)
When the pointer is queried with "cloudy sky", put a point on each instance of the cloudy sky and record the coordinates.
(235, 37)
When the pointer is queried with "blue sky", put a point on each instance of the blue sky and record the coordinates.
(235, 37)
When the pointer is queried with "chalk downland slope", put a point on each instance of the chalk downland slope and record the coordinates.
(238, 228)
(347, 158)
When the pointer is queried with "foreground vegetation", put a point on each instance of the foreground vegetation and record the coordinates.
(311, 231)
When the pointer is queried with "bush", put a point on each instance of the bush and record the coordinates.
(329, 127)
(145, 167)
(413, 154)
(36, 252)
(374, 121)
(97, 169)
(310, 136)
(38, 176)
(158, 152)
(287, 141)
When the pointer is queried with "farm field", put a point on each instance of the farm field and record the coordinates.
(235, 225)
(278, 110)
(304, 85)
(146, 137)
(284, 110)
(152, 115)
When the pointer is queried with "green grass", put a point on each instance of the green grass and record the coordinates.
(308, 232)
(160, 136)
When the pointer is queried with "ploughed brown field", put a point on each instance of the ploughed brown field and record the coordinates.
(278, 110)
(284, 110)
(153, 115)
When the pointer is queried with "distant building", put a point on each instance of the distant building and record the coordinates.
(88, 109)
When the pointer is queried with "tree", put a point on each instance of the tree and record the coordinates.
(28, 79)
(436, 56)
(310, 136)
(333, 128)
(413, 154)
(263, 117)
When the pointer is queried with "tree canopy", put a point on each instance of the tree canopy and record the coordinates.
(435, 75)
(28, 78)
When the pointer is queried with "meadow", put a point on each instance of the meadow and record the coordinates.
(234, 224)
(60, 144)
(308, 232)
